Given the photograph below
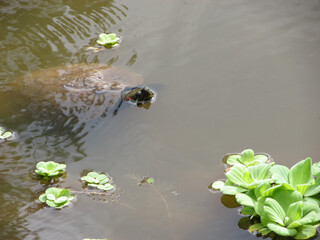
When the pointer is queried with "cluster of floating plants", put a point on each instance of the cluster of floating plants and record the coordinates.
(278, 199)
(50, 169)
(109, 40)
(59, 198)
(96, 180)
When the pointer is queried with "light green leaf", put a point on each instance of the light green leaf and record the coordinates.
(43, 197)
(260, 171)
(259, 191)
(65, 192)
(54, 191)
(93, 174)
(7, 134)
(303, 188)
(301, 173)
(51, 197)
(217, 185)
(50, 203)
(305, 232)
(265, 231)
(316, 169)
(51, 165)
(261, 158)
(108, 187)
(309, 218)
(247, 155)
(232, 190)
(281, 230)
(259, 205)
(235, 175)
(245, 200)
(294, 211)
(247, 177)
(314, 189)
(280, 174)
(105, 180)
(256, 227)
(233, 159)
(61, 200)
(272, 206)
(247, 211)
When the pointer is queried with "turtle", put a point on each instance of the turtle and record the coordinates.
(88, 89)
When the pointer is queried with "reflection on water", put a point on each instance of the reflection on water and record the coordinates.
(51, 125)
(37, 33)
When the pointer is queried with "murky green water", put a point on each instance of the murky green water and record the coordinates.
(229, 75)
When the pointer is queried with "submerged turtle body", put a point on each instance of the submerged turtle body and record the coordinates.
(83, 91)
(90, 78)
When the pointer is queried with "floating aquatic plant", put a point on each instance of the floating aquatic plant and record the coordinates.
(50, 169)
(241, 178)
(283, 211)
(108, 40)
(247, 158)
(56, 197)
(100, 181)
(5, 134)
(283, 201)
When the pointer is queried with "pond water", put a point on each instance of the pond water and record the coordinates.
(229, 75)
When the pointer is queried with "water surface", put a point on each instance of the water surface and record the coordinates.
(229, 75)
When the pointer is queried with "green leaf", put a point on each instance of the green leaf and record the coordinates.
(235, 175)
(7, 134)
(50, 203)
(53, 191)
(265, 231)
(303, 188)
(232, 190)
(108, 187)
(51, 197)
(51, 165)
(280, 174)
(245, 200)
(105, 180)
(305, 232)
(43, 197)
(314, 189)
(261, 158)
(273, 216)
(61, 200)
(294, 211)
(256, 227)
(316, 169)
(65, 192)
(281, 230)
(260, 171)
(247, 177)
(150, 180)
(247, 155)
(247, 211)
(259, 205)
(217, 185)
(301, 173)
(233, 159)
(93, 174)
(309, 218)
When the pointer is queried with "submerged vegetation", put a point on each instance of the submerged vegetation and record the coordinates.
(277, 199)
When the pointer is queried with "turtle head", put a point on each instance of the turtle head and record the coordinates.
(141, 96)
